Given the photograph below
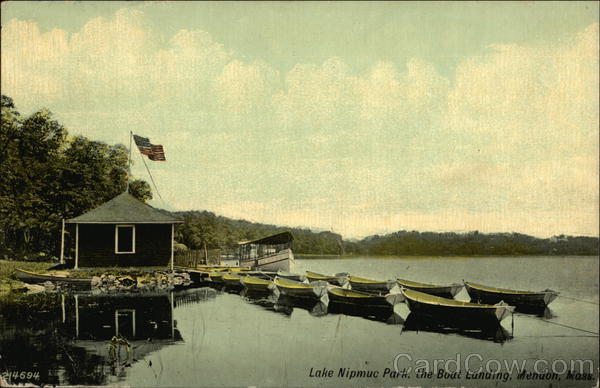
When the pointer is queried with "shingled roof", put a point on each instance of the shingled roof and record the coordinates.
(125, 208)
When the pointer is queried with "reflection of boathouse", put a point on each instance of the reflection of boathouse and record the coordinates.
(100, 317)
(124, 232)
(131, 316)
(69, 336)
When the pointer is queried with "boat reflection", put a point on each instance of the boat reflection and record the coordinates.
(266, 300)
(283, 304)
(539, 311)
(374, 313)
(495, 333)
(314, 306)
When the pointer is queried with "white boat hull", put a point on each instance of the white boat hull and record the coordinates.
(282, 260)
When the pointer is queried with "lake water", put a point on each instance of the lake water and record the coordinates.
(203, 337)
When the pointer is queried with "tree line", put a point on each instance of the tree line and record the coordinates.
(472, 243)
(218, 232)
(223, 233)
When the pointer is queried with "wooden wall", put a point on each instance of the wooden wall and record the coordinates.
(97, 246)
(191, 258)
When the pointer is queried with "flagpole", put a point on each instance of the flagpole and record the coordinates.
(151, 177)
(129, 161)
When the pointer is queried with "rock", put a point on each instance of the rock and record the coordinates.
(49, 286)
(96, 281)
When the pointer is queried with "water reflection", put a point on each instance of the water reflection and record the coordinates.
(373, 313)
(284, 304)
(84, 338)
(315, 307)
(495, 333)
(539, 311)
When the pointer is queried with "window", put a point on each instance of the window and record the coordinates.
(125, 239)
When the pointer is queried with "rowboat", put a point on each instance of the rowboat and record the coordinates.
(198, 276)
(216, 276)
(343, 295)
(224, 268)
(232, 279)
(338, 279)
(443, 291)
(289, 275)
(362, 284)
(486, 294)
(270, 253)
(452, 310)
(269, 275)
(253, 283)
(298, 289)
(36, 278)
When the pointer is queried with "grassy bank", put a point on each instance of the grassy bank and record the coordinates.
(8, 283)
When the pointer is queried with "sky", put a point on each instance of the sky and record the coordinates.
(357, 117)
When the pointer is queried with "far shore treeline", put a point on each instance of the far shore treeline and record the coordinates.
(48, 175)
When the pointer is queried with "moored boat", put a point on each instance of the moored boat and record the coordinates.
(336, 280)
(216, 276)
(254, 283)
(270, 253)
(36, 278)
(354, 297)
(198, 276)
(369, 285)
(290, 275)
(454, 310)
(298, 289)
(487, 294)
(232, 279)
(224, 268)
(444, 291)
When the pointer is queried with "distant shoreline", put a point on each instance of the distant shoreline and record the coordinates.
(313, 256)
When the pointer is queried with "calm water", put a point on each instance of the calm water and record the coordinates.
(203, 337)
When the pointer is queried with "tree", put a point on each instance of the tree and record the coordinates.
(48, 176)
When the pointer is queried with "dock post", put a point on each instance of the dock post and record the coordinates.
(62, 242)
(76, 246)
(172, 246)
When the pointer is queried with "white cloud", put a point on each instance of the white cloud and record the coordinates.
(512, 136)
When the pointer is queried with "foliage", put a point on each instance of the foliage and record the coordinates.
(48, 176)
(224, 233)
(472, 243)
(219, 232)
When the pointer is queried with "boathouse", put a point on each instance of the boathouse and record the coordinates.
(124, 232)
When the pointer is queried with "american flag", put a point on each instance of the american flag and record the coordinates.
(152, 151)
